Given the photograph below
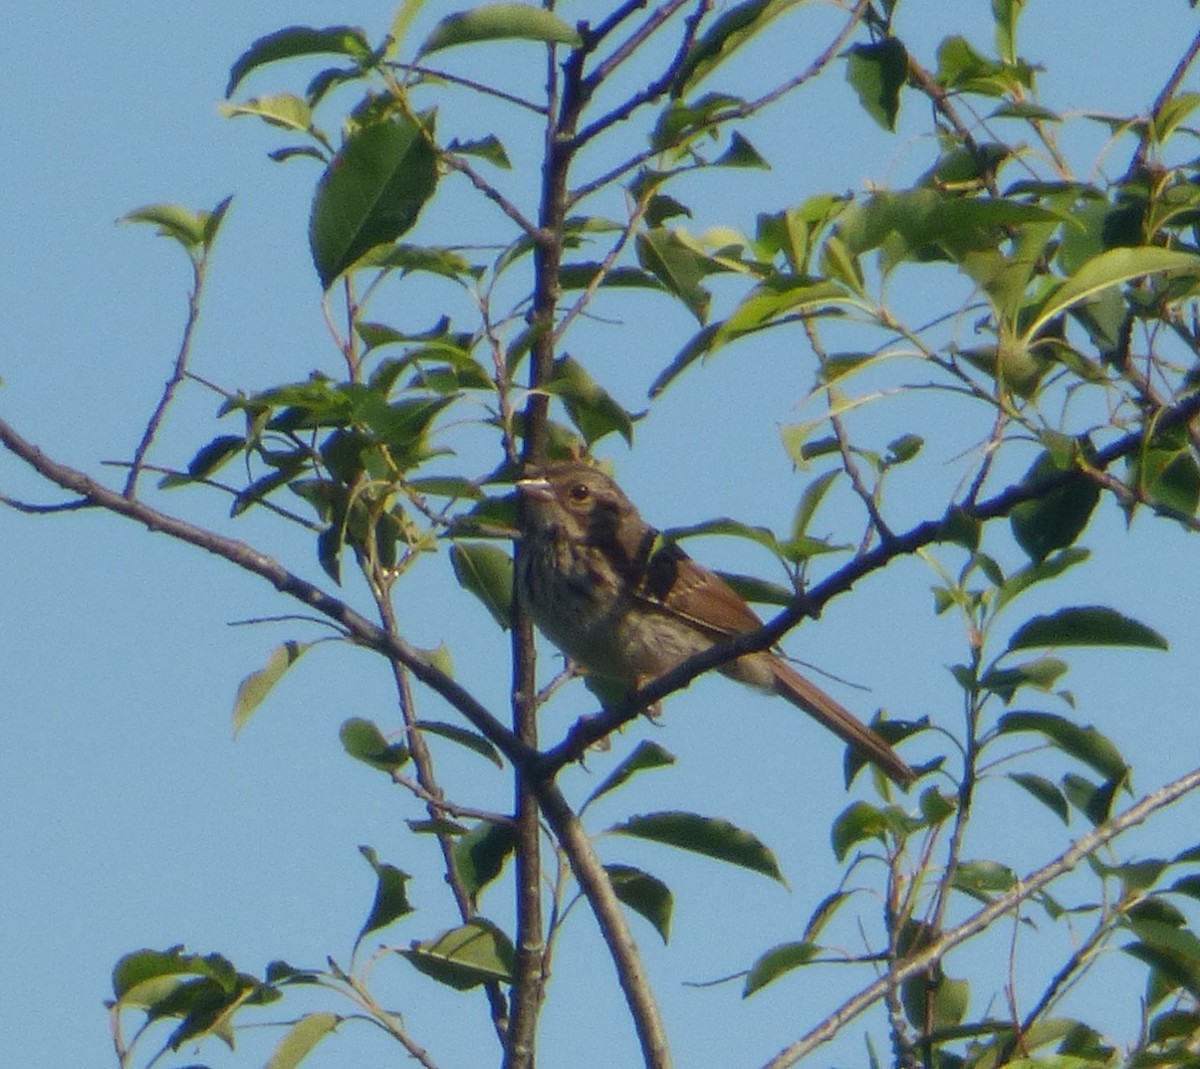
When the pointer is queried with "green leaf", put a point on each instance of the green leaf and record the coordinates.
(1041, 674)
(678, 266)
(1092, 625)
(709, 836)
(1110, 268)
(284, 110)
(371, 193)
(644, 894)
(856, 824)
(734, 28)
(479, 856)
(257, 685)
(1055, 519)
(499, 22)
(1050, 568)
(647, 755)
(189, 228)
(877, 72)
(362, 740)
(776, 962)
(487, 572)
(391, 898)
(1045, 792)
(741, 154)
(1084, 743)
(470, 740)
(980, 879)
(1006, 13)
(301, 1039)
(465, 957)
(487, 148)
(212, 457)
(591, 408)
(296, 41)
(937, 1004)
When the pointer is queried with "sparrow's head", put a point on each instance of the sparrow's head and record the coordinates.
(578, 501)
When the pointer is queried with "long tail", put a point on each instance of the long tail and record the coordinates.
(844, 724)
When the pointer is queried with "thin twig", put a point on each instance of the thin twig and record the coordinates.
(178, 372)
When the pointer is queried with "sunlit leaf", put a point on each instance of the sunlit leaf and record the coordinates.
(301, 1039)
(776, 962)
(465, 957)
(500, 22)
(254, 689)
(362, 740)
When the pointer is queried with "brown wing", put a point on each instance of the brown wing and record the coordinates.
(676, 584)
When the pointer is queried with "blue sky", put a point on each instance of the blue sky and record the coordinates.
(130, 818)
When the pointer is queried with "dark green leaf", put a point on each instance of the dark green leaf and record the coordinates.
(460, 735)
(1055, 519)
(710, 836)
(1091, 625)
(776, 962)
(216, 454)
(861, 821)
(878, 72)
(1045, 792)
(1041, 674)
(299, 41)
(723, 38)
(1050, 568)
(479, 856)
(465, 957)
(371, 192)
(500, 22)
(362, 740)
(488, 148)
(591, 408)
(678, 266)
(741, 154)
(254, 689)
(643, 894)
(301, 1039)
(391, 898)
(647, 755)
(1094, 801)
(1083, 743)
(487, 572)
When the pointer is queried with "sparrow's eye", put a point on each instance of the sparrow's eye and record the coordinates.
(580, 492)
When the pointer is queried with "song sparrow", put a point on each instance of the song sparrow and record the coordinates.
(626, 608)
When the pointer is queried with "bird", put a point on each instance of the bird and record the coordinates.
(626, 606)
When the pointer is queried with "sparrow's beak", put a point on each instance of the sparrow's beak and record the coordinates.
(535, 489)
